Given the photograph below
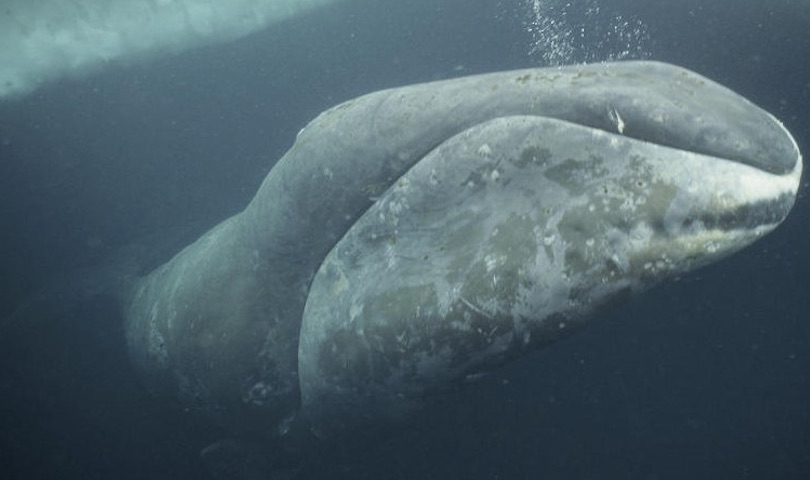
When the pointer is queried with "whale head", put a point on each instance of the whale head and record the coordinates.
(518, 229)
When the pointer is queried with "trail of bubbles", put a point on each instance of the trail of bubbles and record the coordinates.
(578, 32)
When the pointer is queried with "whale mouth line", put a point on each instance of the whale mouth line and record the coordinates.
(711, 144)
(681, 110)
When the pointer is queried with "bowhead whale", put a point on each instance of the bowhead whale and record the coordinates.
(416, 237)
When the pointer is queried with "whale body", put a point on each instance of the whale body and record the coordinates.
(416, 237)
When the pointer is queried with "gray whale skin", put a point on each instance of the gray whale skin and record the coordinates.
(416, 237)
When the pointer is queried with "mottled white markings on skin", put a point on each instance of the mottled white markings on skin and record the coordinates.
(640, 235)
(396, 207)
(475, 308)
(484, 150)
(327, 172)
(617, 120)
(256, 260)
(156, 343)
(401, 338)
(461, 326)
(355, 310)
(434, 177)
(619, 263)
(679, 210)
(491, 261)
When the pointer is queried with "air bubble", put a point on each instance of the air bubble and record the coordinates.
(564, 32)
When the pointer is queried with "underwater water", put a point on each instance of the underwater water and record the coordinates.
(129, 161)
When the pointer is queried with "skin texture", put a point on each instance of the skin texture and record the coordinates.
(415, 237)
